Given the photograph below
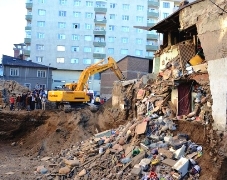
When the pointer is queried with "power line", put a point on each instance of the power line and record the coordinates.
(218, 6)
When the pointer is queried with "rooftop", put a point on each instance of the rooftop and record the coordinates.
(11, 61)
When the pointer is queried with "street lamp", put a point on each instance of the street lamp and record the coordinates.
(48, 76)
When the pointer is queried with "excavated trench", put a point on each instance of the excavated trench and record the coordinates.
(41, 133)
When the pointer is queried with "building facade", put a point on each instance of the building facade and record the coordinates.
(132, 67)
(26, 73)
(73, 34)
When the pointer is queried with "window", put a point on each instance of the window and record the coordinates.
(76, 25)
(140, 8)
(75, 37)
(76, 14)
(166, 5)
(124, 40)
(125, 28)
(97, 76)
(40, 23)
(99, 49)
(113, 5)
(77, 2)
(125, 17)
(97, 60)
(14, 71)
(28, 85)
(39, 46)
(165, 15)
(74, 61)
(139, 30)
(124, 51)
(139, 18)
(41, 12)
(40, 35)
(111, 27)
(62, 2)
(61, 36)
(139, 52)
(43, 86)
(86, 61)
(61, 24)
(28, 34)
(62, 13)
(39, 59)
(75, 48)
(139, 41)
(88, 15)
(87, 38)
(111, 39)
(125, 6)
(41, 73)
(88, 26)
(60, 60)
(89, 3)
(41, 1)
(110, 50)
(112, 16)
(60, 48)
(150, 53)
(87, 49)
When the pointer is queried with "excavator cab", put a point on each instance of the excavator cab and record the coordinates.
(70, 86)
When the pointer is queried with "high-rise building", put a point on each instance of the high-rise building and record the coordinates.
(72, 34)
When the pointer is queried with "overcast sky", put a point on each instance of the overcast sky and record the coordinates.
(12, 19)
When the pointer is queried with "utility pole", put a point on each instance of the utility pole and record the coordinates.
(48, 76)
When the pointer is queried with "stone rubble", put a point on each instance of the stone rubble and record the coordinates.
(149, 146)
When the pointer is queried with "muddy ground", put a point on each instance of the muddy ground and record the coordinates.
(25, 137)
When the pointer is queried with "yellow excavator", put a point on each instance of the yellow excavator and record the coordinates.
(73, 94)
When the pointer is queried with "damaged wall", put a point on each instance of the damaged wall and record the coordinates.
(218, 87)
(211, 23)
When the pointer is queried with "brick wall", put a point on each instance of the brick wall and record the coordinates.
(132, 67)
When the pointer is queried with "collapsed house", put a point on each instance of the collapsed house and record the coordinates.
(193, 58)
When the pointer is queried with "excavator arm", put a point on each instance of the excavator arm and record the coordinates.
(96, 68)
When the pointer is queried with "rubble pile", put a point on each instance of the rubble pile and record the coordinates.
(148, 146)
(145, 147)
(8, 88)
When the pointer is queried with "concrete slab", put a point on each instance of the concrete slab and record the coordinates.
(169, 162)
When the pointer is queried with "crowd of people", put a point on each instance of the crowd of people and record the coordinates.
(29, 101)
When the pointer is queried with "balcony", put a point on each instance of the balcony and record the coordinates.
(100, 21)
(153, 3)
(151, 47)
(99, 32)
(29, 5)
(99, 56)
(152, 14)
(28, 17)
(100, 9)
(149, 57)
(27, 40)
(150, 24)
(28, 27)
(99, 44)
(27, 52)
(152, 36)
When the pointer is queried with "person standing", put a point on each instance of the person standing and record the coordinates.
(28, 102)
(18, 101)
(12, 101)
(44, 100)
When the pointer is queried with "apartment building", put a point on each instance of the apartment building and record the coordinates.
(73, 34)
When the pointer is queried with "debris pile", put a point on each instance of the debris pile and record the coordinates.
(8, 88)
(145, 147)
